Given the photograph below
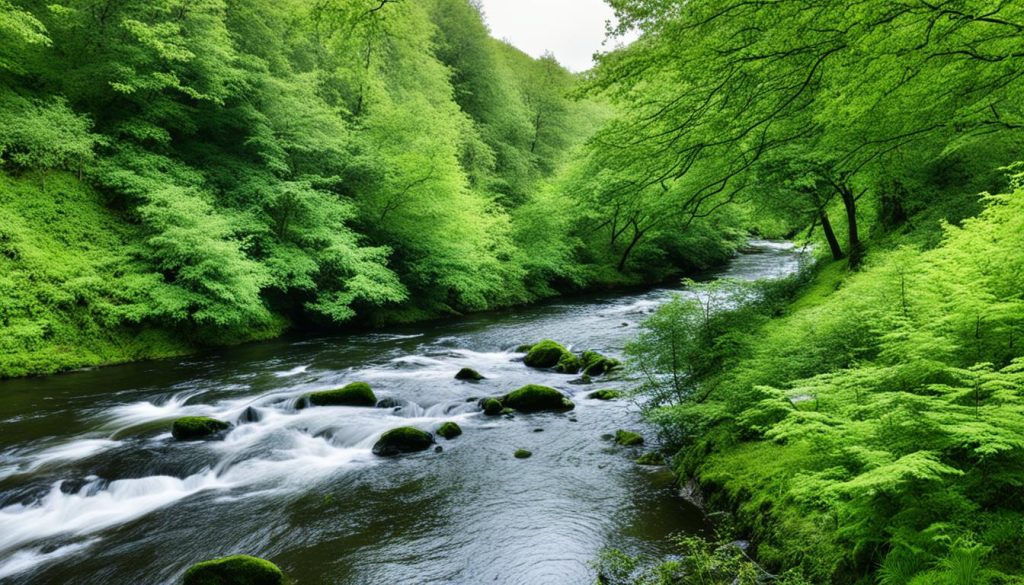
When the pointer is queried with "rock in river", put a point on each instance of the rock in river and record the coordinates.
(402, 440)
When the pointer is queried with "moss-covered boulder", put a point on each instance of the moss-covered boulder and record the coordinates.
(234, 570)
(595, 364)
(605, 394)
(568, 364)
(354, 394)
(191, 428)
(522, 454)
(402, 440)
(535, 398)
(469, 374)
(491, 406)
(545, 354)
(652, 458)
(525, 348)
(628, 438)
(449, 430)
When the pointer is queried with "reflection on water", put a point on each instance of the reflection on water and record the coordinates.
(94, 490)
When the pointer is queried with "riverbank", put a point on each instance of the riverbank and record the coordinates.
(869, 426)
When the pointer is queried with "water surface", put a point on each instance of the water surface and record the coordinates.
(94, 490)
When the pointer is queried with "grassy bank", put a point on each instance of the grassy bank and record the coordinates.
(863, 426)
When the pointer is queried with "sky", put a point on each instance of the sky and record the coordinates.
(571, 29)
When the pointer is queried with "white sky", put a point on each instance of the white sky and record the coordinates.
(571, 29)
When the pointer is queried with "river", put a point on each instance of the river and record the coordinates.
(93, 489)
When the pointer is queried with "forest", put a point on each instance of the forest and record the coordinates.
(182, 175)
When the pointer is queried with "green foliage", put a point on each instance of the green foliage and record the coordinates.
(870, 428)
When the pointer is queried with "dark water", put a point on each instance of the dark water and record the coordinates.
(94, 490)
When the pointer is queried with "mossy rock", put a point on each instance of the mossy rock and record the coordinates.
(522, 454)
(191, 428)
(652, 458)
(402, 440)
(449, 430)
(491, 406)
(390, 402)
(545, 354)
(628, 438)
(535, 398)
(595, 364)
(234, 570)
(605, 394)
(469, 374)
(569, 364)
(525, 348)
(354, 394)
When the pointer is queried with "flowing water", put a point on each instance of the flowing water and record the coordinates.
(94, 490)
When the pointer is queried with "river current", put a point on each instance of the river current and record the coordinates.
(94, 490)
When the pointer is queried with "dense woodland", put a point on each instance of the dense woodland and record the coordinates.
(181, 173)
(178, 174)
(864, 421)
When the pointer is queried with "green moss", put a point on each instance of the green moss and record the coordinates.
(525, 348)
(402, 440)
(595, 364)
(449, 430)
(189, 428)
(605, 394)
(628, 438)
(354, 394)
(234, 570)
(469, 374)
(534, 398)
(491, 406)
(523, 454)
(545, 354)
(569, 364)
(652, 458)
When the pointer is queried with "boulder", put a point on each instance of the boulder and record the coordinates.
(595, 364)
(469, 374)
(234, 570)
(191, 428)
(605, 394)
(491, 406)
(354, 394)
(389, 402)
(568, 364)
(449, 430)
(522, 454)
(402, 440)
(652, 458)
(628, 438)
(546, 354)
(534, 398)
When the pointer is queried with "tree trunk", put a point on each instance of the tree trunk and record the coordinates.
(830, 235)
(855, 248)
(637, 234)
